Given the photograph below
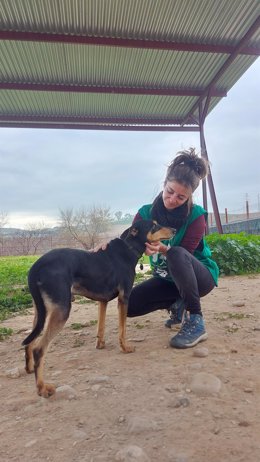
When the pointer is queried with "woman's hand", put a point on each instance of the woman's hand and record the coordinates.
(155, 247)
(99, 247)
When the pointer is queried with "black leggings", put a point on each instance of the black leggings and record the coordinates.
(192, 280)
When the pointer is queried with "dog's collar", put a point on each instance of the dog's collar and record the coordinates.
(133, 249)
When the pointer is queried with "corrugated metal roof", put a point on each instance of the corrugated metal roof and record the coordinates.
(208, 20)
(89, 61)
(78, 64)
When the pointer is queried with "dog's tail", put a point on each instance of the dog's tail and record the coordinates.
(41, 313)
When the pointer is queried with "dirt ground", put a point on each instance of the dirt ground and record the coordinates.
(156, 404)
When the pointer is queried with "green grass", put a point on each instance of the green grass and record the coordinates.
(14, 293)
(77, 326)
(5, 332)
(229, 315)
(13, 270)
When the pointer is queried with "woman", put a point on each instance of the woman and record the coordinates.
(183, 270)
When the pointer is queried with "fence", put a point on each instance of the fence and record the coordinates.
(27, 245)
(248, 226)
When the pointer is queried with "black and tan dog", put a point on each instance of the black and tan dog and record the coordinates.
(102, 276)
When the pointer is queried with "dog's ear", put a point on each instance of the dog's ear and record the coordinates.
(132, 231)
(125, 234)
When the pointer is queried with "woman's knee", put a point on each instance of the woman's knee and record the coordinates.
(176, 252)
(178, 260)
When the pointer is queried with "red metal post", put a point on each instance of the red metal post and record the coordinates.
(247, 210)
(226, 215)
(210, 180)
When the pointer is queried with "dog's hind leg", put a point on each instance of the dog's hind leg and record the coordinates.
(29, 361)
(57, 317)
(102, 309)
(122, 313)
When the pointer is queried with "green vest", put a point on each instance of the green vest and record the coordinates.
(158, 262)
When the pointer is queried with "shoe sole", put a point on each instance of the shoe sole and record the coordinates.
(173, 326)
(202, 338)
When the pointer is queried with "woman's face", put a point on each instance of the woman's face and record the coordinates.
(175, 194)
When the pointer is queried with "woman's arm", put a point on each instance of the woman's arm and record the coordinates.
(194, 234)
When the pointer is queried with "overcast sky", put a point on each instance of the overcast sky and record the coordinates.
(43, 171)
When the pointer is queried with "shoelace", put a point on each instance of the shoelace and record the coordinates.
(187, 327)
(174, 316)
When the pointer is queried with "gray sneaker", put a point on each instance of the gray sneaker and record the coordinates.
(177, 313)
(192, 332)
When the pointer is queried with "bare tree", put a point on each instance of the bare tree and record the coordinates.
(3, 223)
(3, 218)
(86, 226)
(128, 218)
(118, 215)
(27, 241)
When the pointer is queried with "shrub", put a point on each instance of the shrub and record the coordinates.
(235, 253)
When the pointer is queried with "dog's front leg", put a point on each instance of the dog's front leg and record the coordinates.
(102, 307)
(122, 313)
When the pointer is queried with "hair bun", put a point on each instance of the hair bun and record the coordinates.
(193, 161)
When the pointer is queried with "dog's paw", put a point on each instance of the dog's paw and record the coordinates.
(46, 390)
(100, 344)
(29, 368)
(127, 348)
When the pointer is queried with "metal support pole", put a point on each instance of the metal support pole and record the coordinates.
(247, 210)
(226, 215)
(210, 184)
(204, 186)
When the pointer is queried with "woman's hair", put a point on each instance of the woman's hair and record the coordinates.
(187, 169)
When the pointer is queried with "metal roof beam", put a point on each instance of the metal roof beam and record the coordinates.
(76, 126)
(107, 89)
(243, 42)
(125, 42)
(23, 118)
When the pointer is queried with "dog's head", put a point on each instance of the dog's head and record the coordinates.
(147, 231)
